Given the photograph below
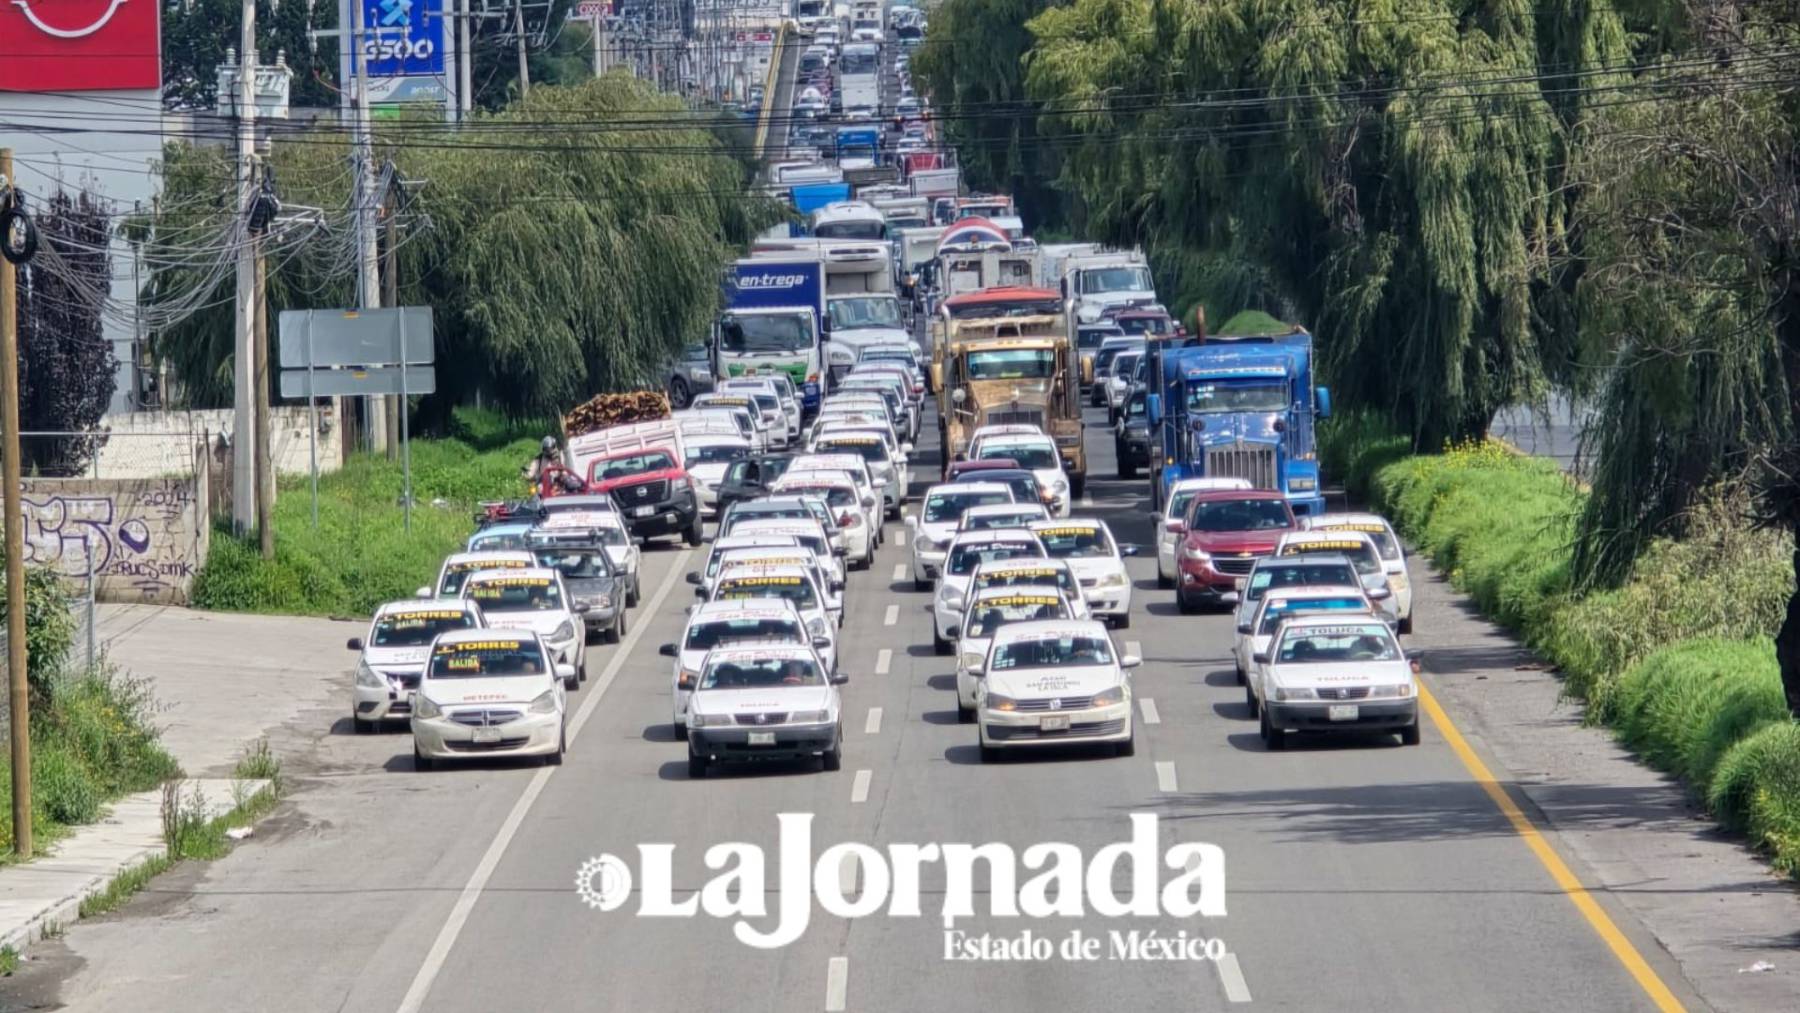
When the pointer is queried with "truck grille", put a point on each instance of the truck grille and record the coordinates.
(1016, 417)
(644, 492)
(1243, 460)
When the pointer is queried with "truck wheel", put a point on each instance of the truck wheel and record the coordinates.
(695, 534)
(1406, 625)
(1126, 470)
(1077, 485)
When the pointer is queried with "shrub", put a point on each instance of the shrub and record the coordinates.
(49, 628)
(1757, 790)
(1684, 706)
(61, 786)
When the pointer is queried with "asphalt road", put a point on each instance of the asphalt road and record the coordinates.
(1360, 874)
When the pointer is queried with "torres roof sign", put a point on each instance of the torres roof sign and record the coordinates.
(80, 45)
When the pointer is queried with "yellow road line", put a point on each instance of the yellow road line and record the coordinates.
(1584, 902)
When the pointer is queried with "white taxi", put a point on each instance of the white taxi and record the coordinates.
(534, 598)
(988, 611)
(1022, 573)
(746, 582)
(967, 552)
(1088, 547)
(849, 464)
(806, 532)
(394, 652)
(940, 512)
(1269, 575)
(889, 470)
(1172, 526)
(791, 554)
(1336, 673)
(1253, 633)
(706, 459)
(1054, 682)
(609, 528)
(1036, 453)
(1393, 554)
(490, 693)
(1360, 549)
(458, 565)
(765, 703)
(728, 624)
(851, 508)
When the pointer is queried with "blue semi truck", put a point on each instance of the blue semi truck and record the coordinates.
(1236, 407)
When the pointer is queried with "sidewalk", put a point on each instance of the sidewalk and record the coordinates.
(220, 681)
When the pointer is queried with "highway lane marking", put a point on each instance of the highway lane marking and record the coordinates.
(1134, 647)
(1151, 717)
(892, 617)
(873, 725)
(1232, 977)
(847, 875)
(901, 572)
(414, 1000)
(837, 983)
(859, 791)
(1565, 879)
(883, 661)
(1165, 776)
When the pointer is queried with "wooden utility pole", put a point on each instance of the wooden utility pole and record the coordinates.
(15, 542)
(265, 480)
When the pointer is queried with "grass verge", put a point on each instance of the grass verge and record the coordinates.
(1676, 660)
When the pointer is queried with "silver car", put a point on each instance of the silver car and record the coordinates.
(690, 374)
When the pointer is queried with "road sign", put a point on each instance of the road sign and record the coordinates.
(593, 8)
(374, 381)
(326, 338)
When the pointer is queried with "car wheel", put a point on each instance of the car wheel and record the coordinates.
(631, 597)
(1237, 671)
(1272, 737)
(696, 765)
(1128, 747)
(420, 760)
(834, 760)
(1250, 699)
(939, 644)
(1163, 580)
(1406, 625)
(1186, 605)
(562, 748)
(989, 754)
(616, 630)
(1122, 621)
(362, 727)
(1409, 736)
(964, 715)
(678, 393)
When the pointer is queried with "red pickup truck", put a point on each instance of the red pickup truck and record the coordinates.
(654, 494)
(1228, 530)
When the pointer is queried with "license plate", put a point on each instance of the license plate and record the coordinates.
(1342, 712)
(487, 735)
(1054, 723)
(643, 511)
(762, 738)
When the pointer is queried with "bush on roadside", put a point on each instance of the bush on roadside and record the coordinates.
(1354, 446)
(1684, 706)
(1756, 790)
(49, 628)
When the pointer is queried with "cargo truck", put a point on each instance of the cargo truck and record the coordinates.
(774, 321)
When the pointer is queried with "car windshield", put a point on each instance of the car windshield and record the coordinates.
(765, 333)
(1239, 515)
(609, 535)
(1268, 576)
(1237, 396)
(716, 454)
(1124, 366)
(873, 451)
(988, 522)
(1328, 645)
(456, 573)
(577, 564)
(497, 541)
(984, 310)
(1028, 455)
(949, 506)
(798, 590)
(964, 558)
(514, 594)
(761, 673)
(486, 659)
(873, 228)
(1048, 652)
(708, 635)
(988, 616)
(1272, 615)
(1012, 364)
(1360, 553)
(1075, 542)
(417, 629)
(841, 496)
(1382, 537)
(1092, 337)
(631, 464)
(1115, 279)
(767, 402)
(760, 512)
(864, 311)
(1145, 325)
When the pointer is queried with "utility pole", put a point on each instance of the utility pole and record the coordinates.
(465, 62)
(20, 692)
(265, 480)
(392, 282)
(599, 44)
(367, 279)
(524, 66)
(243, 436)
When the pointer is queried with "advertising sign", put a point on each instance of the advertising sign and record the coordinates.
(80, 45)
(408, 50)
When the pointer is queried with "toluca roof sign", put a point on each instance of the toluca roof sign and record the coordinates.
(80, 45)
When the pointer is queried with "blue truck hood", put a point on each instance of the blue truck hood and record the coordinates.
(1229, 427)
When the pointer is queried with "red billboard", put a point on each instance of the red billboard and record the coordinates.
(80, 45)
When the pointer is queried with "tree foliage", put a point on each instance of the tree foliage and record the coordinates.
(66, 363)
(196, 34)
(559, 261)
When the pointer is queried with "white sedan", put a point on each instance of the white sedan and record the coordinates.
(533, 598)
(987, 613)
(1332, 673)
(725, 624)
(393, 655)
(1088, 547)
(1036, 453)
(967, 552)
(940, 512)
(490, 693)
(770, 702)
(1051, 683)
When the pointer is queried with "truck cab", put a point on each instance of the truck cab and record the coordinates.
(1013, 371)
(640, 465)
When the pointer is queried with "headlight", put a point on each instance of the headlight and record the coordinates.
(1403, 691)
(1109, 697)
(817, 627)
(707, 720)
(808, 718)
(923, 543)
(685, 679)
(996, 702)
(565, 631)
(599, 601)
(424, 708)
(1113, 580)
(545, 703)
(366, 676)
(1059, 486)
(1197, 555)
(1283, 693)
(1302, 484)
(1397, 581)
(971, 659)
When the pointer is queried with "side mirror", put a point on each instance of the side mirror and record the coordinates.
(668, 651)
(1243, 629)
(952, 632)
(637, 541)
(906, 448)
(693, 577)
(565, 671)
(1130, 661)
(978, 667)
(1128, 550)
(909, 520)
(1260, 658)
(1323, 397)
(839, 551)
(423, 592)
(354, 643)
(1379, 594)
(1416, 663)
(582, 608)
(868, 503)
(1175, 525)
(699, 592)
(839, 678)
(837, 585)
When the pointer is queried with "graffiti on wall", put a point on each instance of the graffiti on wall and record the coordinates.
(138, 536)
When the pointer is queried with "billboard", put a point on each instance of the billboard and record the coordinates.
(80, 45)
(407, 49)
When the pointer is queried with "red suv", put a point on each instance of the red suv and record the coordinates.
(1227, 531)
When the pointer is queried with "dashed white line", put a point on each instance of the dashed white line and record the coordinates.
(901, 572)
(837, 983)
(873, 725)
(1134, 647)
(883, 661)
(859, 790)
(847, 875)
(1165, 776)
(892, 617)
(1148, 706)
(1232, 977)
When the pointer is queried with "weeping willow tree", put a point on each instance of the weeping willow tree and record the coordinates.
(568, 245)
(1384, 170)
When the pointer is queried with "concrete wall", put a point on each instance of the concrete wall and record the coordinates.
(157, 444)
(147, 538)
